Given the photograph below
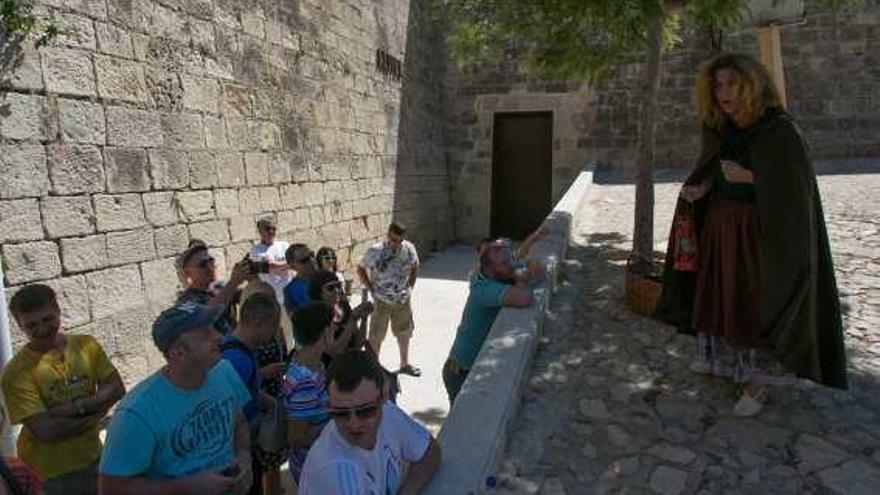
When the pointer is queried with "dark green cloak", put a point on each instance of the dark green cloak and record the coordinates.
(800, 308)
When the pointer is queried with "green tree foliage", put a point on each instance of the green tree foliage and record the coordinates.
(18, 22)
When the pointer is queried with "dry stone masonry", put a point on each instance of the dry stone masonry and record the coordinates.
(150, 122)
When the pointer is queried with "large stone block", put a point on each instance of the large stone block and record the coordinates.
(196, 205)
(73, 299)
(270, 200)
(332, 191)
(236, 100)
(286, 223)
(24, 116)
(130, 247)
(264, 135)
(257, 168)
(31, 261)
(169, 169)
(68, 72)
(215, 133)
(303, 219)
(249, 201)
(161, 282)
(291, 196)
(65, 216)
(237, 133)
(161, 208)
(183, 131)
(20, 221)
(225, 203)
(171, 241)
(200, 94)
(76, 169)
(235, 253)
(84, 254)
(119, 212)
(279, 169)
(23, 171)
(75, 31)
(115, 291)
(214, 233)
(92, 8)
(120, 79)
(113, 41)
(81, 121)
(242, 228)
(27, 73)
(313, 193)
(230, 169)
(203, 170)
(127, 170)
(133, 128)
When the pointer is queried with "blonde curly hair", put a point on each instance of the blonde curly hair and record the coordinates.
(757, 92)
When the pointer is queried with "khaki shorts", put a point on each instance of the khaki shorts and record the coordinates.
(398, 314)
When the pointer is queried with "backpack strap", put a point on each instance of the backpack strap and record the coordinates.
(237, 345)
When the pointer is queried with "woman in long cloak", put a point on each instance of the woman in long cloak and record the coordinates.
(763, 292)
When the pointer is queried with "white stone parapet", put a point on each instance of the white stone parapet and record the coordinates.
(474, 434)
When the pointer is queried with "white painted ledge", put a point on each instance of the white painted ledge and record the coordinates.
(474, 434)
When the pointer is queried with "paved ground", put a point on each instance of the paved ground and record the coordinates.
(611, 408)
(437, 301)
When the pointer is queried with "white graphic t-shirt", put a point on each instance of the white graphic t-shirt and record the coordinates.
(335, 466)
(274, 253)
(390, 270)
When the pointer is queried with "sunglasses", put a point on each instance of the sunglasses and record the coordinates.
(205, 263)
(333, 287)
(328, 258)
(365, 411)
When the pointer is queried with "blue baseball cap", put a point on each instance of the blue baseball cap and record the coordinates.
(181, 318)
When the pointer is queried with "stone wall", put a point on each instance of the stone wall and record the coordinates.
(155, 121)
(832, 70)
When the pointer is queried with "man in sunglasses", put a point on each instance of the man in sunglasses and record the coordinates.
(301, 259)
(198, 273)
(389, 270)
(269, 256)
(365, 447)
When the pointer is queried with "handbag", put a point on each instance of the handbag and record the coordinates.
(685, 241)
(272, 432)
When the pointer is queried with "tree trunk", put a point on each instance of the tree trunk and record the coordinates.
(643, 231)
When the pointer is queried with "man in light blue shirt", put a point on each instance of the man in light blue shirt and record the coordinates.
(493, 286)
(182, 429)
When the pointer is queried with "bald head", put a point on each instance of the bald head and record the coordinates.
(495, 262)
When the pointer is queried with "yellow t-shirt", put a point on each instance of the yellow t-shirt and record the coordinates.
(34, 383)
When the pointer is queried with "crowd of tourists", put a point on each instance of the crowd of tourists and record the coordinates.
(235, 400)
(274, 365)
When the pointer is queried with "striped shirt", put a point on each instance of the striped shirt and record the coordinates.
(305, 398)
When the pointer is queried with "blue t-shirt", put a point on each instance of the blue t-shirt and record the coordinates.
(483, 304)
(296, 293)
(162, 431)
(246, 365)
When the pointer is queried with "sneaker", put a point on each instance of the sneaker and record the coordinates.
(701, 367)
(748, 406)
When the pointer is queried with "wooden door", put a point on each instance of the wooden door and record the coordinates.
(522, 172)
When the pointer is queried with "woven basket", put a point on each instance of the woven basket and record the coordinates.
(642, 293)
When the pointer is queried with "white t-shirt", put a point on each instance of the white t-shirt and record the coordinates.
(276, 254)
(335, 466)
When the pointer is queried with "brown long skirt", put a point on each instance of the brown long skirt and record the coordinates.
(727, 299)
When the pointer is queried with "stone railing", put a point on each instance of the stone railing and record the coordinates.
(474, 434)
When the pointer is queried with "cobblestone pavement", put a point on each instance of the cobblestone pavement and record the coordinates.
(611, 407)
